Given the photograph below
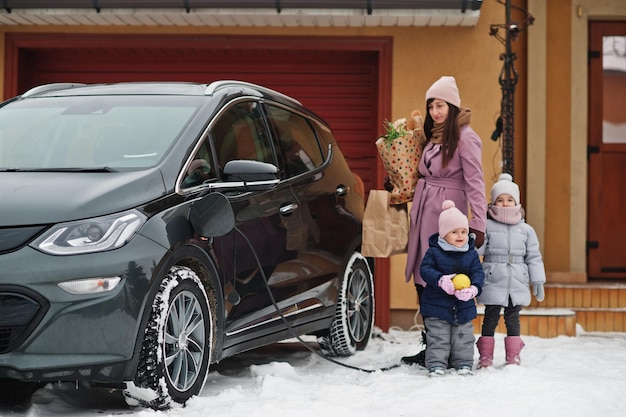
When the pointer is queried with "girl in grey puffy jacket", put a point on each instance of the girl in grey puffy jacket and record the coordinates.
(512, 262)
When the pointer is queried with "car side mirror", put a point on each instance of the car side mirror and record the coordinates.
(212, 215)
(249, 171)
(250, 175)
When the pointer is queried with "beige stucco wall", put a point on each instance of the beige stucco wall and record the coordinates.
(555, 113)
(473, 57)
(557, 165)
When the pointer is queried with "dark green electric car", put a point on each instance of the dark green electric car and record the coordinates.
(149, 230)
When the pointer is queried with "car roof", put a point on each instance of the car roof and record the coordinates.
(222, 90)
(222, 87)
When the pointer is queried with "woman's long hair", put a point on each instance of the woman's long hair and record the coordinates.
(450, 135)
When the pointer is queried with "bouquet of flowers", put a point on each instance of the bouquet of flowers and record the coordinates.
(400, 150)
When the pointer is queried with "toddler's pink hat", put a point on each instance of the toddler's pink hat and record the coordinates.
(451, 218)
(445, 89)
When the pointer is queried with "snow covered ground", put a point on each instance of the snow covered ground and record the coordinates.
(564, 376)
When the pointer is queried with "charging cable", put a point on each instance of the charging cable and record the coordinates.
(289, 325)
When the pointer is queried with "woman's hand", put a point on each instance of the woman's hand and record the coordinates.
(387, 184)
(479, 237)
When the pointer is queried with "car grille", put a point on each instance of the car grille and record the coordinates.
(12, 238)
(18, 315)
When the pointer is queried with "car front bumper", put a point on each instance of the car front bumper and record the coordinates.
(74, 337)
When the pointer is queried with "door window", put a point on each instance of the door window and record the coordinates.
(614, 89)
(296, 140)
(240, 133)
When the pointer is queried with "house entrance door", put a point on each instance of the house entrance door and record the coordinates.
(606, 253)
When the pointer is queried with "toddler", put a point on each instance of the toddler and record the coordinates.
(511, 262)
(448, 312)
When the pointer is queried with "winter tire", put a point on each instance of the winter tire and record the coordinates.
(176, 351)
(354, 314)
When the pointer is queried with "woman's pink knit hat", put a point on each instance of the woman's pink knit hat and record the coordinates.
(445, 89)
(451, 218)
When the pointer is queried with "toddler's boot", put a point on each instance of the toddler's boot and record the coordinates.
(485, 349)
(513, 346)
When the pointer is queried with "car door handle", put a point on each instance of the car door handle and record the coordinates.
(342, 190)
(288, 208)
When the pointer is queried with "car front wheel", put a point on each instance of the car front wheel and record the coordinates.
(176, 351)
(354, 314)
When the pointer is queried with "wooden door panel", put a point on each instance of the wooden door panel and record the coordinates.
(612, 247)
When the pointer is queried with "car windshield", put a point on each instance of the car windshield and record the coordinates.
(91, 132)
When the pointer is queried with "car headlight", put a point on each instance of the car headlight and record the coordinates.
(90, 235)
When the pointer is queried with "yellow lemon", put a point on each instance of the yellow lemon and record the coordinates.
(461, 281)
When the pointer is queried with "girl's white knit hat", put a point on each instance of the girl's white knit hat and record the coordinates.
(445, 89)
(505, 185)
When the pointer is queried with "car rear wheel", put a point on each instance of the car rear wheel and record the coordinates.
(354, 314)
(176, 351)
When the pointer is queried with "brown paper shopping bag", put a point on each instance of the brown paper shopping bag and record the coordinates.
(385, 226)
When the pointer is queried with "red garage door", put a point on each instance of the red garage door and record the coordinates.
(340, 84)
(347, 81)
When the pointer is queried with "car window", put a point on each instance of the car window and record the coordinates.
(297, 141)
(325, 136)
(240, 133)
(91, 131)
(200, 169)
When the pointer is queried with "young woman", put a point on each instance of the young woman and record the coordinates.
(450, 169)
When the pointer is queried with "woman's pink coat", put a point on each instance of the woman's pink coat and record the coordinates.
(462, 181)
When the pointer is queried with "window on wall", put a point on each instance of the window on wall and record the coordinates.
(297, 141)
(614, 89)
